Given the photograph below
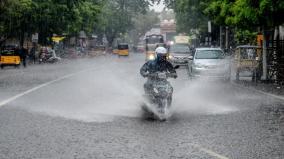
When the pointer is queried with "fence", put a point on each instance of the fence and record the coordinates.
(275, 61)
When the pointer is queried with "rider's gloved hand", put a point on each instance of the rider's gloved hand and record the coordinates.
(152, 75)
(173, 75)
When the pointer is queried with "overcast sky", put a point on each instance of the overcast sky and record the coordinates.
(158, 8)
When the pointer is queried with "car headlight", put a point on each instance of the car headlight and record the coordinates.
(170, 57)
(151, 57)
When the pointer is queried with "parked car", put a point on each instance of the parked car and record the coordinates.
(210, 63)
(179, 54)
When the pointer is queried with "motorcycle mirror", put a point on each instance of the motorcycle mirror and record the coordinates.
(176, 67)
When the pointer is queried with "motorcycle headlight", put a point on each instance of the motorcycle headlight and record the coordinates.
(151, 57)
(171, 57)
(156, 90)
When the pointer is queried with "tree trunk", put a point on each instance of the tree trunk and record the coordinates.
(264, 57)
(221, 40)
(22, 39)
(227, 38)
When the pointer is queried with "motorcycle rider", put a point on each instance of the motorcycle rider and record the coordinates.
(160, 64)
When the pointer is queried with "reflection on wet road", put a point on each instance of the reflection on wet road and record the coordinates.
(95, 113)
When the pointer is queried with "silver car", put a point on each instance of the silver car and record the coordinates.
(210, 63)
(179, 54)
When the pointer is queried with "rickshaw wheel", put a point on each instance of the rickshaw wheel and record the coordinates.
(2, 66)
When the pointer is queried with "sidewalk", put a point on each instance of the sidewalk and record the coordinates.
(270, 88)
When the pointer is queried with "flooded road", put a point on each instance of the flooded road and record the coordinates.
(91, 108)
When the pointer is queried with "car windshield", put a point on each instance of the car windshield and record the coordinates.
(209, 54)
(179, 49)
(151, 47)
(7, 52)
(122, 47)
(153, 39)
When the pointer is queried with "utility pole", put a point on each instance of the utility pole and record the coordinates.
(264, 57)
(221, 41)
(227, 38)
(209, 33)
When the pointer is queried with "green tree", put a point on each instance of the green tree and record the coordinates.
(116, 18)
(143, 23)
(15, 16)
(47, 17)
(189, 15)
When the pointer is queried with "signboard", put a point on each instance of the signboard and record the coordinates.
(209, 27)
(182, 39)
(57, 38)
(259, 39)
(35, 38)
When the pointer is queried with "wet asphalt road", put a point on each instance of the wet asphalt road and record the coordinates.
(91, 108)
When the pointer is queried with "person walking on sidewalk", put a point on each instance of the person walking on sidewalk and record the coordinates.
(23, 55)
(32, 55)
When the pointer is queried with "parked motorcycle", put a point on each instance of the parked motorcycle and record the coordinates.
(48, 55)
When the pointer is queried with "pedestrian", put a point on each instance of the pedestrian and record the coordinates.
(32, 55)
(23, 55)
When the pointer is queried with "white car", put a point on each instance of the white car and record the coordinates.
(210, 63)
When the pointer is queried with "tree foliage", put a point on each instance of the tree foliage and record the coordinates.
(47, 17)
(244, 15)
(240, 13)
(117, 17)
(143, 23)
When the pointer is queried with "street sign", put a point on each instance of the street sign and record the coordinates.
(209, 27)
(35, 38)
(57, 38)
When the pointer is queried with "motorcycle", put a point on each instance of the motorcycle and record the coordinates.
(158, 101)
(48, 56)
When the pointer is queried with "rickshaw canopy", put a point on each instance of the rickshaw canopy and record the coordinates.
(122, 46)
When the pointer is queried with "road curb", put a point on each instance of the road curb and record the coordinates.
(258, 91)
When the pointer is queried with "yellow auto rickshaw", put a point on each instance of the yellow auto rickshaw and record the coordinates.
(123, 49)
(9, 57)
(248, 58)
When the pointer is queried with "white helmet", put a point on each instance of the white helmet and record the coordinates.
(161, 50)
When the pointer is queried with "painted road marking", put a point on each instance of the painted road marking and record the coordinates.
(259, 91)
(210, 152)
(2, 103)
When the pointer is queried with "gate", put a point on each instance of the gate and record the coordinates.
(275, 61)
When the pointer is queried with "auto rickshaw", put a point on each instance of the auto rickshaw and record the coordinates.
(123, 49)
(9, 57)
(247, 58)
(115, 50)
